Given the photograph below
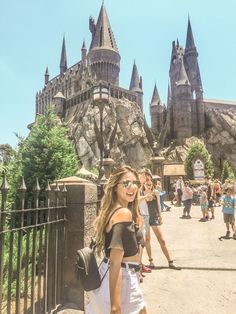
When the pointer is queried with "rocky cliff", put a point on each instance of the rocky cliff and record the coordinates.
(219, 139)
(124, 133)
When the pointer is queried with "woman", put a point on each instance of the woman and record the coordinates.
(117, 236)
(155, 220)
(187, 200)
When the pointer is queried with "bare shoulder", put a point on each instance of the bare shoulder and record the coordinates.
(122, 214)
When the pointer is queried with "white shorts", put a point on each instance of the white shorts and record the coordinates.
(131, 294)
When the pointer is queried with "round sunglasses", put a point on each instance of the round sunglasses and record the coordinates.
(128, 183)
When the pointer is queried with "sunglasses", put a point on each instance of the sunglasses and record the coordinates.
(127, 183)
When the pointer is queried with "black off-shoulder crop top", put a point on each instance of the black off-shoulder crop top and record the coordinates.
(123, 235)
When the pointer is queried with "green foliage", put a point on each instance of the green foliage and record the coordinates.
(227, 172)
(198, 150)
(46, 154)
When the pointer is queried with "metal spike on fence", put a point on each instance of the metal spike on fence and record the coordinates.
(64, 191)
(57, 190)
(48, 191)
(4, 189)
(36, 193)
(22, 190)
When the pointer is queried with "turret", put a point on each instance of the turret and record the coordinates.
(183, 105)
(157, 112)
(59, 101)
(103, 56)
(63, 62)
(46, 76)
(83, 54)
(136, 85)
(191, 64)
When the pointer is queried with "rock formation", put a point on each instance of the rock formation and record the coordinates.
(130, 144)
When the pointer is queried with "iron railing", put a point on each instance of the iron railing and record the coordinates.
(32, 242)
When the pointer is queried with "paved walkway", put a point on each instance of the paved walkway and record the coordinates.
(207, 281)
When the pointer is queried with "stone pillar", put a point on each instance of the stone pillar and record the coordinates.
(80, 216)
(107, 164)
(157, 167)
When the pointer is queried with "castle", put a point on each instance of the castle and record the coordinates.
(101, 63)
(185, 112)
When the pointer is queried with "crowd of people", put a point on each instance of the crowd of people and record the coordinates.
(131, 206)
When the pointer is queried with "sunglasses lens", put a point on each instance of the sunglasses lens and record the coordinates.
(128, 183)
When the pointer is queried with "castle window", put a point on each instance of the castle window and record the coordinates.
(110, 38)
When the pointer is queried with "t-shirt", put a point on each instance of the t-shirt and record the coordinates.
(228, 206)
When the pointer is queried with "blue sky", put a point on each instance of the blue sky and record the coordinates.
(31, 35)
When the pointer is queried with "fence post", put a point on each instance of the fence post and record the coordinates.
(4, 190)
(80, 216)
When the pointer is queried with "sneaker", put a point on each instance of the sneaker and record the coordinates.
(141, 280)
(145, 269)
(168, 208)
(173, 266)
(234, 236)
(202, 219)
(213, 217)
(151, 265)
(188, 217)
(227, 234)
(183, 217)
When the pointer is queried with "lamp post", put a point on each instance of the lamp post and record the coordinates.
(101, 97)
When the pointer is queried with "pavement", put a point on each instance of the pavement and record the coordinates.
(206, 284)
(207, 281)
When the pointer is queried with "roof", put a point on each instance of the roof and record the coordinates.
(103, 36)
(174, 170)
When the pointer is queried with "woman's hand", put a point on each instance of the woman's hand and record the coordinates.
(160, 220)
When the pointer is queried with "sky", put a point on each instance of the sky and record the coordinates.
(31, 34)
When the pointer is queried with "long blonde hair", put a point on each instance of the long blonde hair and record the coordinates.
(107, 202)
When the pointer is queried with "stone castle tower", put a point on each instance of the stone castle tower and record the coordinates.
(185, 105)
(119, 128)
(100, 64)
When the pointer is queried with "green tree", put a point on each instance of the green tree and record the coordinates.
(46, 154)
(198, 150)
(227, 172)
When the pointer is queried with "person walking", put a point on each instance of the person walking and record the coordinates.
(228, 208)
(204, 203)
(155, 220)
(209, 197)
(179, 187)
(117, 234)
(187, 196)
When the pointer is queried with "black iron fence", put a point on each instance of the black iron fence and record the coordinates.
(32, 242)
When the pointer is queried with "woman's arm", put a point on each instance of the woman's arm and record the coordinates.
(115, 280)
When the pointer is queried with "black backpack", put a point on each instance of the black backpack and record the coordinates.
(87, 269)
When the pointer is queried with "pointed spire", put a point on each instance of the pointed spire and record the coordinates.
(135, 82)
(83, 46)
(182, 77)
(63, 62)
(189, 40)
(155, 97)
(102, 33)
(46, 76)
(83, 54)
